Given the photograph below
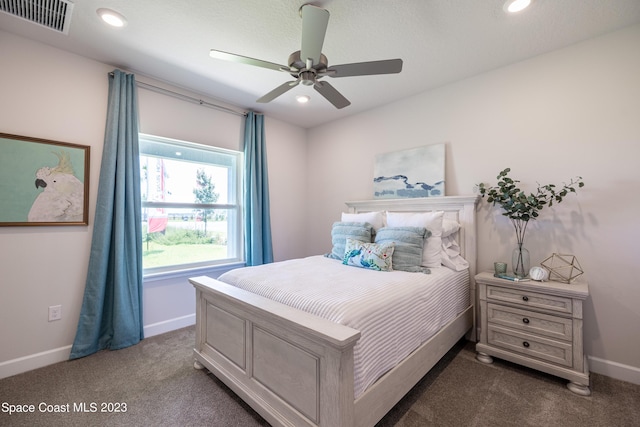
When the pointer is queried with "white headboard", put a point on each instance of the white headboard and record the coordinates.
(460, 208)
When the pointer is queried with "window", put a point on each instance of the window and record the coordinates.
(191, 212)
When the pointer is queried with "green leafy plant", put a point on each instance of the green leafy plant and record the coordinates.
(521, 207)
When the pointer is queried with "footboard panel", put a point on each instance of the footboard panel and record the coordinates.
(288, 371)
(293, 368)
(227, 333)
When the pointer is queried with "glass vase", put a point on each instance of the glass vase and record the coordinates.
(520, 261)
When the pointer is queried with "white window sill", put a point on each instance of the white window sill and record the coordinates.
(210, 270)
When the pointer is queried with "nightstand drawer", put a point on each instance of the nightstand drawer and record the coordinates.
(531, 322)
(530, 345)
(530, 299)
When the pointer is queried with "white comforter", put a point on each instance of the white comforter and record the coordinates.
(394, 311)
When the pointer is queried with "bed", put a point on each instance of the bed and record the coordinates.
(296, 368)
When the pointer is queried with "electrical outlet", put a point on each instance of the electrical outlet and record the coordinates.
(55, 312)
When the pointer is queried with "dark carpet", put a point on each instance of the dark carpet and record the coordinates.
(154, 384)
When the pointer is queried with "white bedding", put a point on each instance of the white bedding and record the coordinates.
(394, 311)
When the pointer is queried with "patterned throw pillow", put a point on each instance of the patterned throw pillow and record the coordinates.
(372, 256)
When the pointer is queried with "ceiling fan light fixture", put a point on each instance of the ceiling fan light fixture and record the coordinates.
(112, 17)
(303, 99)
(515, 6)
(309, 71)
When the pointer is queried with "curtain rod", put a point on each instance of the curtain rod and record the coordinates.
(187, 98)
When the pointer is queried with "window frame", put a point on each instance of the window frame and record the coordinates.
(235, 221)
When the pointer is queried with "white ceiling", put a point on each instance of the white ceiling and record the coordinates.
(440, 41)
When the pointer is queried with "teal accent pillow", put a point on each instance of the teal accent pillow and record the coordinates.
(409, 243)
(341, 231)
(372, 256)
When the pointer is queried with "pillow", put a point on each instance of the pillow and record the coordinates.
(340, 231)
(451, 255)
(371, 256)
(432, 221)
(408, 241)
(376, 219)
(449, 226)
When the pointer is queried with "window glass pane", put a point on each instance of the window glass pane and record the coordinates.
(176, 181)
(183, 186)
(172, 237)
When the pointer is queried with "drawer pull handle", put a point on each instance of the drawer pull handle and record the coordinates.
(525, 320)
(526, 344)
(525, 298)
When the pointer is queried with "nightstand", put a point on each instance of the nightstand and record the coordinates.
(534, 324)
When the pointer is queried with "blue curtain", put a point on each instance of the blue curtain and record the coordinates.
(257, 224)
(111, 315)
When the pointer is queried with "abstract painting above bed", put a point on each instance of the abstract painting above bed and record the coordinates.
(418, 172)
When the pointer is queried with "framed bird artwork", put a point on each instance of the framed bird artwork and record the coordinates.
(43, 182)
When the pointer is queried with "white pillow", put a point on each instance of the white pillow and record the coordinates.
(432, 221)
(374, 218)
(451, 255)
(449, 226)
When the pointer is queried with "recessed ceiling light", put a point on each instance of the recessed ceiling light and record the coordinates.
(514, 6)
(303, 99)
(112, 17)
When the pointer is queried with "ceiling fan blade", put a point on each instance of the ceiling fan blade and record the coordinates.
(218, 54)
(332, 95)
(314, 28)
(389, 66)
(278, 91)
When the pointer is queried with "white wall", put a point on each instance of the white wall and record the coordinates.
(48, 93)
(571, 112)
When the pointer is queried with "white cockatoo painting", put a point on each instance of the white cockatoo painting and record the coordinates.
(62, 198)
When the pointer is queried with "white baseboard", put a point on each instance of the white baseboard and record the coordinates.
(169, 325)
(34, 361)
(614, 370)
(12, 367)
(49, 357)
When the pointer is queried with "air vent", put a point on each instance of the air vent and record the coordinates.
(52, 14)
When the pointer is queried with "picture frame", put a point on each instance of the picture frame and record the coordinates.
(416, 172)
(43, 182)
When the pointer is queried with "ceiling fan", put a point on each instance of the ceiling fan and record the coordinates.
(308, 65)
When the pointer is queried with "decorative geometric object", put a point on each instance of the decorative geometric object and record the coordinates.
(417, 172)
(562, 268)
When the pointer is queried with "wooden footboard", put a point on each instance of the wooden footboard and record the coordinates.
(293, 368)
